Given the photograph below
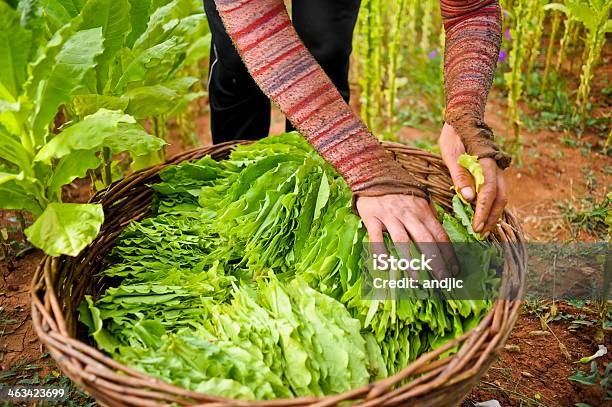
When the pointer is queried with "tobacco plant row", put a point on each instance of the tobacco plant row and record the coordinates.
(399, 49)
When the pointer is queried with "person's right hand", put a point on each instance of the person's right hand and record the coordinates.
(408, 218)
(491, 199)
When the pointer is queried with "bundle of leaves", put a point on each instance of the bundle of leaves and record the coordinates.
(247, 282)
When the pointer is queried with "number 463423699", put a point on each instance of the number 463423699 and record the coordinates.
(33, 393)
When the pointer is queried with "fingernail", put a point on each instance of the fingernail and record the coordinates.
(467, 193)
(479, 227)
(485, 235)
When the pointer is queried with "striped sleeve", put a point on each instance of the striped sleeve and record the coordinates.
(287, 73)
(473, 37)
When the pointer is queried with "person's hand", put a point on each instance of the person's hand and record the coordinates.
(406, 218)
(491, 198)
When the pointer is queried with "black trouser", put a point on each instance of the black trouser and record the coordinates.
(239, 110)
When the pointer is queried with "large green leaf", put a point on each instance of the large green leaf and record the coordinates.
(15, 44)
(59, 12)
(150, 101)
(16, 193)
(66, 228)
(84, 105)
(198, 50)
(583, 12)
(113, 17)
(40, 68)
(13, 196)
(69, 168)
(165, 19)
(135, 140)
(152, 66)
(139, 17)
(64, 77)
(32, 19)
(12, 151)
(105, 128)
(470, 162)
(6, 177)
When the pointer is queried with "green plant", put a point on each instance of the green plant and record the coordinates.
(81, 80)
(595, 378)
(589, 215)
(394, 56)
(41, 157)
(518, 53)
(426, 25)
(392, 73)
(595, 16)
(371, 82)
(556, 11)
(150, 49)
(564, 43)
(536, 16)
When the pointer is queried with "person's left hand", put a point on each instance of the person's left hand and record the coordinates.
(491, 199)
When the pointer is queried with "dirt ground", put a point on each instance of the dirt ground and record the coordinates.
(534, 368)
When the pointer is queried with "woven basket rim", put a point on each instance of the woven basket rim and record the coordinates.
(99, 375)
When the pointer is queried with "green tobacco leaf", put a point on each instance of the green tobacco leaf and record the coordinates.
(6, 177)
(585, 378)
(40, 68)
(105, 128)
(59, 12)
(145, 161)
(135, 140)
(14, 196)
(90, 316)
(12, 151)
(32, 18)
(153, 65)
(150, 101)
(66, 228)
(64, 76)
(139, 17)
(15, 44)
(84, 105)
(583, 12)
(113, 17)
(18, 192)
(556, 6)
(322, 197)
(164, 20)
(71, 167)
(456, 232)
(198, 49)
(465, 213)
(470, 162)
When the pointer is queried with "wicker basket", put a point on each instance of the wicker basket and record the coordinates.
(60, 284)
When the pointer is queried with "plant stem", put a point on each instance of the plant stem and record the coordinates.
(393, 63)
(537, 21)
(564, 43)
(551, 43)
(106, 157)
(426, 26)
(6, 250)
